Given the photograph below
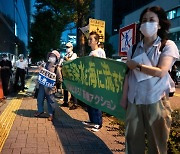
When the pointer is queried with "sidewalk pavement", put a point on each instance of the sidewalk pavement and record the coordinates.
(65, 135)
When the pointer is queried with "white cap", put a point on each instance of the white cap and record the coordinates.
(55, 52)
(69, 44)
(21, 56)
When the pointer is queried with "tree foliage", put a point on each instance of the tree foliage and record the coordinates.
(49, 22)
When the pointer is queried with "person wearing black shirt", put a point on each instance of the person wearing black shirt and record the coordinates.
(6, 67)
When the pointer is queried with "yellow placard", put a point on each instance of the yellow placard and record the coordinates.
(99, 27)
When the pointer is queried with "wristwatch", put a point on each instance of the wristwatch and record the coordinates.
(139, 67)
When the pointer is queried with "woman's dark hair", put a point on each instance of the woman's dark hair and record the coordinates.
(163, 21)
(96, 37)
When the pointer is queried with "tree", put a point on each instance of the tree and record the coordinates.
(50, 21)
(81, 19)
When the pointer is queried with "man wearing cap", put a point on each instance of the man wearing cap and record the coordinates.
(21, 66)
(5, 67)
(70, 55)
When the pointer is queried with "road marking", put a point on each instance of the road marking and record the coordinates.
(176, 94)
(7, 118)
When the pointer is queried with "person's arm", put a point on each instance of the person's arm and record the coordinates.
(74, 56)
(163, 67)
(58, 74)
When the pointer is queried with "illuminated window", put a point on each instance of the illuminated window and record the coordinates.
(173, 13)
(178, 12)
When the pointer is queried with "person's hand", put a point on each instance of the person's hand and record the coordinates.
(131, 64)
(53, 88)
(66, 58)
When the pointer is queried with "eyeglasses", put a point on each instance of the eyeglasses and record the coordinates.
(68, 47)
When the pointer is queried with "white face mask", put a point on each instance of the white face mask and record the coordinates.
(148, 29)
(5, 59)
(68, 50)
(52, 59)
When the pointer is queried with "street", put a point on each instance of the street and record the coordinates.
(22, 133)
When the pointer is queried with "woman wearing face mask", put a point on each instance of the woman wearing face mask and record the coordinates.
(148, 105)
(48, 93)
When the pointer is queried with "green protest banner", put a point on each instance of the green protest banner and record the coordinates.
(97, 82)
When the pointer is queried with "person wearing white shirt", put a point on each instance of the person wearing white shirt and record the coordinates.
(95, 115)
(21, 66)
(70, 55)
(148, 110)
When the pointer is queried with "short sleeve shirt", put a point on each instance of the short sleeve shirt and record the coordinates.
(22, 64)
(151, 90)
(99, 52)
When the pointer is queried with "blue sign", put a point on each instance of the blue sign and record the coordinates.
(47, 78)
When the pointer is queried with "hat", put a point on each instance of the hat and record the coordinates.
(69, 44)
(21, 56)
(55, 52)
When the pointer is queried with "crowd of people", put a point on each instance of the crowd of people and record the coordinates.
(148, 109)
(7, 74)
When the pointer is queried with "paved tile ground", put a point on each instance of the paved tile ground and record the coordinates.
(65, 135)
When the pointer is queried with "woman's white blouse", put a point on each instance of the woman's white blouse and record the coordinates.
(153, 89)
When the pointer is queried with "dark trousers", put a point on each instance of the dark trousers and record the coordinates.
(65, 96)
(73, 99)
(5, 83)
(95, 115)
(20, 73)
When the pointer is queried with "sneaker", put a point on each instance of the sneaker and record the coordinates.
(73, 107)
(96, 128)
(88, 123)
(65, 105)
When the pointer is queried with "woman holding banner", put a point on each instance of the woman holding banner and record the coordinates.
(46, 91)
(95, 115)
(148, 109)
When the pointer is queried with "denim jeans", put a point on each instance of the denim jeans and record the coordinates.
(40, 99)
(95, 115)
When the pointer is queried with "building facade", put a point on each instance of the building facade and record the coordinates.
(172, 9)
(14, 26)
(103, 10)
